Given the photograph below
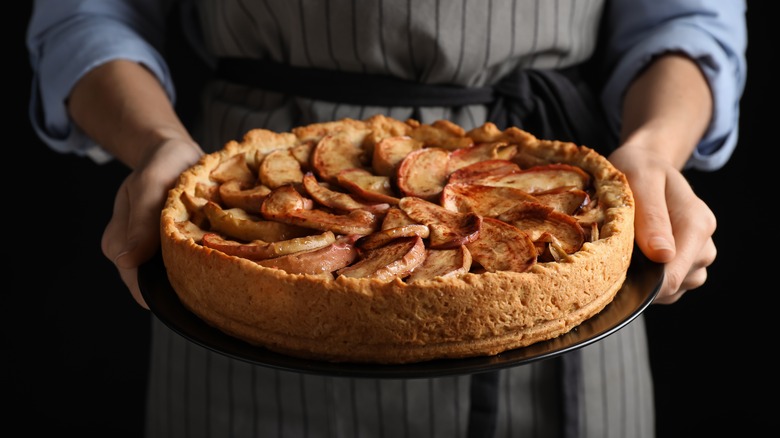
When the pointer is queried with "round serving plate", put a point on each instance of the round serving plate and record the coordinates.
(642, 284)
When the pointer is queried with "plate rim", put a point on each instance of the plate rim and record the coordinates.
(165, 306)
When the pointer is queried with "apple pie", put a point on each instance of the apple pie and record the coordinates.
(389, 242)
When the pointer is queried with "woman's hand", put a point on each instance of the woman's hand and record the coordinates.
(132, 236)
(666, 111)
(673, 226)
(124, 108)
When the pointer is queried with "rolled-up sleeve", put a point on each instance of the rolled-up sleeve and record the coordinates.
(66, 39)
(712, 32)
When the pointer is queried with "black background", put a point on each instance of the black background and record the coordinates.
(74, 345)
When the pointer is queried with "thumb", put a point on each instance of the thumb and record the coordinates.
(653, 227)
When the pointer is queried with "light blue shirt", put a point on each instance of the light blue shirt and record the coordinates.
(67, 38)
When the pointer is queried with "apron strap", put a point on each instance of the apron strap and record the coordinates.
(346, 87)
(551, 104)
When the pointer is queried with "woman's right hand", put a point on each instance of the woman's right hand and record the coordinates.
(132, 235)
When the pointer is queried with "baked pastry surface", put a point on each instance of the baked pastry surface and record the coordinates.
(387, 241)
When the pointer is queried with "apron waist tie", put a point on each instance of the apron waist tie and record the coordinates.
(550, 104)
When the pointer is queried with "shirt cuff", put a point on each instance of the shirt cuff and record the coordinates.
(63, 67)
(720, 139)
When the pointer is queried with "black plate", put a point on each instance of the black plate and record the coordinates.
(640, 288)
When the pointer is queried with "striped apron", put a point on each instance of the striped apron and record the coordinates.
(504, 58)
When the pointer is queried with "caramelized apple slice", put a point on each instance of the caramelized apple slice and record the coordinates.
(540, 178)
(566, 200)
(449, 229)
(387, 235)
(502, 247)
(483, 200)
(441, 133)
(536, 219)
(283, 200)
(259, 250)
(236, 223)
(389, 152)
(194, 206)
(473, 173)
(423, 173)
(302, 152)
(461, 158)
(286, 205)
(550, 249)
(234, 194)
(442, 263)
(395, 260)
(337, 200)
(395, 217)
(382, 127)
(321, 261)
(234, 167)
(591, 214)
(337, 152)
(280, 168)
(368, 186)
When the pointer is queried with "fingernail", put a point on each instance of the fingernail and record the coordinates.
(659, 244)
(121, 255)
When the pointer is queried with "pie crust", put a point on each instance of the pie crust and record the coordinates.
(389, 319)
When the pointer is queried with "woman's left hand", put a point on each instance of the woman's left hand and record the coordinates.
(673, 225)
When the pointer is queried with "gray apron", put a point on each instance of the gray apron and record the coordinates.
(518, 65)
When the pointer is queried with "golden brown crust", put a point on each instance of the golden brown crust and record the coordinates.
(335, 318)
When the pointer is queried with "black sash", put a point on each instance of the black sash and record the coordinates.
(550, 104)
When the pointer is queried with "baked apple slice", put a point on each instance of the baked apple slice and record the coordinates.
(282, 201)
(395, 260)
(502, 247)
(235, 168)
(395, 217)
(194, 206)
(322, 261)
(423, 173)
(302, 152)
(540, 178)
(442, 263)
(337, 200)
(367, 186)
(387, 235)
(441, 133)
(280, 168)
(449, 229)
(286, 205)
(337, 152)
(566, 200)
(537, 219)
(485, 201)
(475, 172)
(389, 152)
(259, 250)
(480, 152)
(236, 223)
(247, 197)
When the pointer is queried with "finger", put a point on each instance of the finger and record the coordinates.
(125, 249)
(652, 224)
(113, 241)
(130, 278)
(696, 251)
(143, 222)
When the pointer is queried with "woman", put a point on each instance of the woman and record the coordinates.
(668, 78)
